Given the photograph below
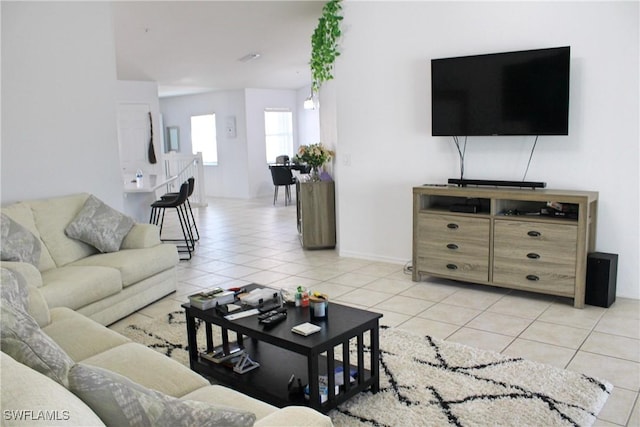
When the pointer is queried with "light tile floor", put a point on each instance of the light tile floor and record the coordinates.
(245, 241)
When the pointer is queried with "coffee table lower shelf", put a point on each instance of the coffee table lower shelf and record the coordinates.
(269, 382)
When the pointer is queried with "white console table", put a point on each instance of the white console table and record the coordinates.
(138, 199)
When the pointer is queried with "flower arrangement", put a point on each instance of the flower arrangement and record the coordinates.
(315, 155)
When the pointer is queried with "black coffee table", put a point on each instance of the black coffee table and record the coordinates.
(282, 353)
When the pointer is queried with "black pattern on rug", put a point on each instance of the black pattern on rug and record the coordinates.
(425, 381)
(170, 345)
(472, 371)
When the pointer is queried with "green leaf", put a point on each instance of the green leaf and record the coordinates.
(324, 43)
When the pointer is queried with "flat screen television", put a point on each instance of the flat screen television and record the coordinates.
(510, 93)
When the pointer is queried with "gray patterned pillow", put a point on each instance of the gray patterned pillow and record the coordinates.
(99, 225)
(14, 289)
(18, 243)
(22, 339)
(121, 402)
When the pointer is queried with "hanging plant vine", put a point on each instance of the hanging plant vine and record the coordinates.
(324, 44)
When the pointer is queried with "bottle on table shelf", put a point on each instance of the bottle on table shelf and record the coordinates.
(139, 178)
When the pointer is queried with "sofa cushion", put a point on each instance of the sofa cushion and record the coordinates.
(297, 416)
(28, 271)
(51, 217)
(75, 287)
(38, 399)
(142, 236)
(22, 339)
(18, 243)
(124, 403)
(135, 264)
(38, 308)
(266, 415)
(67, 325)
(22, 214)
(149, 368)
(31, 299)
(99, 225)
(222, 395)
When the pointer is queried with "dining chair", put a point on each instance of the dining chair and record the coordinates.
(282, 160)
(282, 176)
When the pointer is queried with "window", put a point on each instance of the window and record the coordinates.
(278, 129)
(203, 138)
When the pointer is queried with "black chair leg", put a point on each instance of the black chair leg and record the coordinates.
(189, 244)
(185, 216)
(193, 222)
(185, 232)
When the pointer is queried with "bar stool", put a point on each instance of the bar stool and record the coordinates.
(192, 222)
(157, 216)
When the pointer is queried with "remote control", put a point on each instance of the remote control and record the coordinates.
(272, 313)
(272, 320)
(267, 308)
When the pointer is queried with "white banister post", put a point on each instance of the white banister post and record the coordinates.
(200, 187)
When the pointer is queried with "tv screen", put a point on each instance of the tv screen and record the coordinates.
(510, 93)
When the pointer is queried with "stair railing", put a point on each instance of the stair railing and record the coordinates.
(185, 166)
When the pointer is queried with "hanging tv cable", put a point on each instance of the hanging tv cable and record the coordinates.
(530, 156)
(461, 153)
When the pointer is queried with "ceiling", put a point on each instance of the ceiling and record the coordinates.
(197, 46)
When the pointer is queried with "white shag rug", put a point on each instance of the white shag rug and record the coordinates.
(429, 382)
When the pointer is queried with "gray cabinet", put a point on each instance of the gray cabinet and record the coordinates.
(316, 214)
(500, 237)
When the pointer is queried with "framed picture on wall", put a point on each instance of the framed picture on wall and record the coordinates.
(172, 142)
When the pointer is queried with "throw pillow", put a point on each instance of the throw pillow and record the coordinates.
(122, 402)
(18, 243)
(14, 289)
(100, 226)
(22, 339)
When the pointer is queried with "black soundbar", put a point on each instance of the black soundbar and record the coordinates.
(496, 183)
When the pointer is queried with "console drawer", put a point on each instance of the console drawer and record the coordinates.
(551, 280)
(535, 241)
(450, 228)
(472, 268)
(454, 246)
(535, 255)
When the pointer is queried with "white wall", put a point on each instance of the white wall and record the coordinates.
(242, 167)
(384, 143)
(145, 93)
(258, 100)
(58, 101)
(230, 177)
(308, 120)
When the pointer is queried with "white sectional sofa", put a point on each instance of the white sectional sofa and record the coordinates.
(71, 273)
(59, 367)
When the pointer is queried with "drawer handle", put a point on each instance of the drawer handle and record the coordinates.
(533, 255)
(534, 233)
(452, 226)
(533, 277)
(452, 246)
(452, 266)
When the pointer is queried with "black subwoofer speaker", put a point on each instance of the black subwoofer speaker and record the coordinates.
(602, 271)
